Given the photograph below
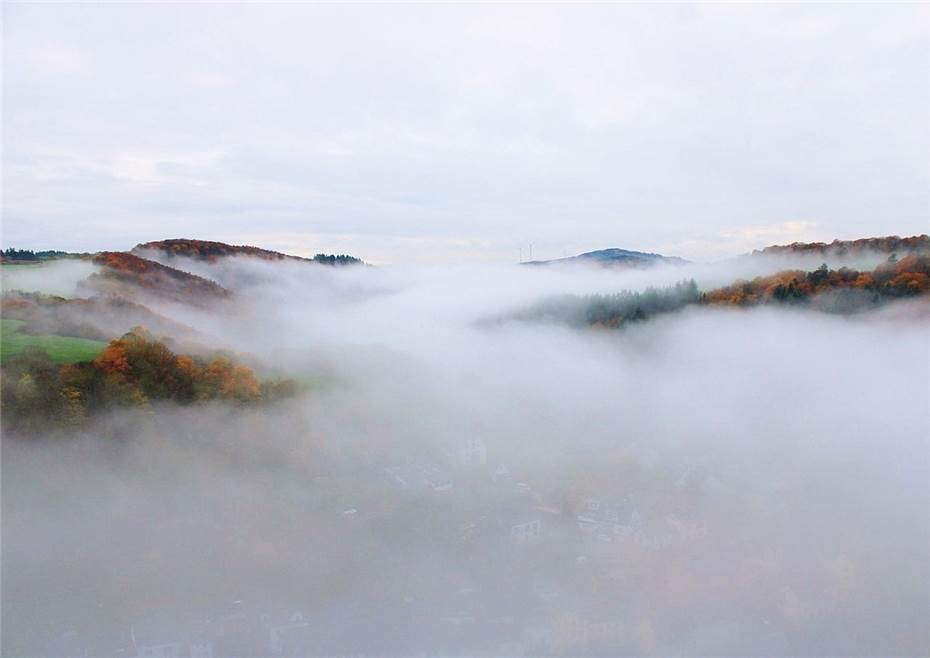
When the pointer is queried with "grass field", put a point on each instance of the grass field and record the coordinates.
(61, 349)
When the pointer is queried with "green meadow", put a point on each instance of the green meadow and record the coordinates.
(61, 349)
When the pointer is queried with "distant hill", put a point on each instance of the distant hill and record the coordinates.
(615, 258)
(212, 251)
(842, 248)
(129, 275)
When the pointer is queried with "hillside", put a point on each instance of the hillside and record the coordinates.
(614, 257)
(212, 251)
(839, 290)
(128, 275)
(96, 318)
(131, 371)
(60, 348)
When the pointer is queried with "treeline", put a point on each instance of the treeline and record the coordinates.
(29, 255)
(612, 310)
(843, 290)
(341, 259)
(133, 371)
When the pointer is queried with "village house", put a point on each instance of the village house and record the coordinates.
(608, 521)
(171, 638)
(415, 475)
(288, 633)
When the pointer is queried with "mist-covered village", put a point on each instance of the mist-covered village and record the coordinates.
(302, 457)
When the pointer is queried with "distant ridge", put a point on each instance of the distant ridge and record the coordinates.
(888, 245)
(615, 257)
(211, 251)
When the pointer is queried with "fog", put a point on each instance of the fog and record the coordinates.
(709, 482)
(58, 277)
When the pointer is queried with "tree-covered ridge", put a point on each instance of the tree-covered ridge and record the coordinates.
(612, 310)
(333, 259)
(887, 245)
(121, 272)
(841, 290)
(211, 251)
(133, 371)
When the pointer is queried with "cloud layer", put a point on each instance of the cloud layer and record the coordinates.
(776, 461)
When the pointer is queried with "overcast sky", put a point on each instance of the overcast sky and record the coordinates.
(459, 133)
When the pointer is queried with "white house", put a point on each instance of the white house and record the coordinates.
(521, 532)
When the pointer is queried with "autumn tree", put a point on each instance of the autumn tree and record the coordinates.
(134, 370)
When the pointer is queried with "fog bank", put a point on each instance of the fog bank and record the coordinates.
(711, 482)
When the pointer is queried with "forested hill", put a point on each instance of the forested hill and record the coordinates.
(212, 251)
(840, 290)
(127, 274)
(884, 245)
(614, 257)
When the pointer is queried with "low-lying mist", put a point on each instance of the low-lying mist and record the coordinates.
(709, 482)
(57, 277)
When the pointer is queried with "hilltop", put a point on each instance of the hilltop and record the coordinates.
(211, 251)
(614, 257)
(839, 248)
